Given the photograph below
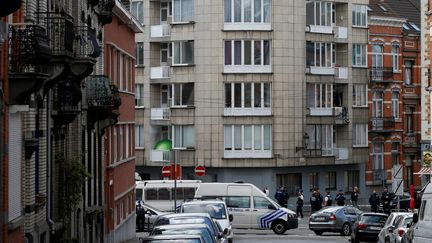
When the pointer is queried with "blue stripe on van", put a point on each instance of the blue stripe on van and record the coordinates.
(266, 219)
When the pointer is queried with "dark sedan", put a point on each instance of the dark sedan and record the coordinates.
(334, 219)
(368, 226)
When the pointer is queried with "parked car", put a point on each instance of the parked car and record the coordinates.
(217, 209)
(334, 219)
(387, 230)
(368, 226)
(172, 239)
(186, 229)
(151, 214)
(401, 227)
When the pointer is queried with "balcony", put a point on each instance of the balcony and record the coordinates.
(29, 53)
(330, 111)
(100, 99)
(381, 74)
(159, 156)
(340, 153)
(341, 72)
(320, 70)
(66, 98)
(158, 114)
(340, 33)
(160, 31)
(9, 6)
(382, 124)
(379, 175)
(320, 29)
(162, 72)
(241, 154)
(247, 68)
(60, 31)
(411, 141)
(86, 50)
(253, 111)
(104, 11)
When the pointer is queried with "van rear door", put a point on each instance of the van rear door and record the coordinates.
(238, 201)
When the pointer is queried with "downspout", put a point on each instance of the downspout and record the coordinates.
(49, 164)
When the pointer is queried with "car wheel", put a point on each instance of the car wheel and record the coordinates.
(346, 229)
(279, 227)
(230, 240)
(318, 232)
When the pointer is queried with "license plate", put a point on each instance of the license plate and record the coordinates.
(320, 218)
(375, 228)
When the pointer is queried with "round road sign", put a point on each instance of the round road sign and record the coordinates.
(199, 170)
(166, 171)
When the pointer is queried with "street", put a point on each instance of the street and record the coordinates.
(301, 234)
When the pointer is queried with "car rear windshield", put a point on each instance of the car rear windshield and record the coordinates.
(202, 232)
(380, 219)
(175, 241)
(215, 210)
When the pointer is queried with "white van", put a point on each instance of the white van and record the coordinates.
(160, 193)
(250, 207)
(421, 230)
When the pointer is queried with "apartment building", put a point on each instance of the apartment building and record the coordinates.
(394, 94)
(269, 92)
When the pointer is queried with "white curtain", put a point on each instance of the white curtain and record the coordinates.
(188, 136)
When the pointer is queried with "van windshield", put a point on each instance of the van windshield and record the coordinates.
(215, 210)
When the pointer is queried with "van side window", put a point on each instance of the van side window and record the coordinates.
(138, 194)
(261, 202)
(189, 193)
(238, 202)
(164, 194)
(150, 194)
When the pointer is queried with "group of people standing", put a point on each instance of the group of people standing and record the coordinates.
(375, 200)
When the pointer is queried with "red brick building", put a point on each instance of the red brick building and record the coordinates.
(394, 93)
(119, 53)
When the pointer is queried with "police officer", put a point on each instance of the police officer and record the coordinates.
(385, 199)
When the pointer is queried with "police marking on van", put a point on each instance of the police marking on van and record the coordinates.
(266, 220)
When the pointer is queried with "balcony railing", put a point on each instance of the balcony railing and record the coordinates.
(86, 44)
(29, 48)
(160, 72)
(381, 74)
(105, 11)
(340, 32)
(98, 92)
(60, 31)
(159, 156)
(160, 113)
(382, 124)
(379, 174)
(158, 31)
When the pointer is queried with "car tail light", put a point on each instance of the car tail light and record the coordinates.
(332, 217)
(361, 226)
(401, 232)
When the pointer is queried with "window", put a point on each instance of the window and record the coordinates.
(351, 179)
(183, 136)
(247, 52)
(377, 56)
(320, 13)
(359, 15)
(182, 94)
(360, 135)
(408, 72)
(183, 52)
(360, 94)
(247, 95)
(121, 67)
(261, 202)
(409, 126)
(139, 136)
(320, 54)
(395, 58)
(321, 138)
(183, 10)
(331, 180)
(378, 156)
(377, 104)
(139, 95)
(247, 137)
(247, 11)
(292, 182)
(140, 53)
(237, 202)
(395, 104)
(359, 55)
(395, 153)
(121, 141)
(313, 181)
(319, 95)
(137, 10)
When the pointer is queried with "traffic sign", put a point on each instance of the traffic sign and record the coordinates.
(199, 170)
(166, 171)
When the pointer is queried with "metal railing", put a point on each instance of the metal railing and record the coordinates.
(60, 31)
(65, 99)
(86, 44)
(98, 91)
(382, 123)
(381, 74)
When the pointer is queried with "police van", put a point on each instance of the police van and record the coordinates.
(250, 207)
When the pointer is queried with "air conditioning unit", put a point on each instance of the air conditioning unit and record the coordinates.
(4, 29)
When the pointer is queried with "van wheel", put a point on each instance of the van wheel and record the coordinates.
(346, 230)
(230, 240)
(318, 232)
(279, 227)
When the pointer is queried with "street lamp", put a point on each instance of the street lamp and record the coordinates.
(165, 145)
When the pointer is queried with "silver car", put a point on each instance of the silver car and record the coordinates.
(334, 219)
(386, 233)
(186, 229)
(401, 227)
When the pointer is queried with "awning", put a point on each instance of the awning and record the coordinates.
(424, 171)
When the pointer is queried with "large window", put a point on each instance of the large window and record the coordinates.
(408, 72)
(139, 95)
(395, 153)
(247, 95)
(409, 119)
(183, 52)
(351, 180)
(183, 136)
(378, 156)
(140, 53)
(395, 104)
(183, 11)
(331, 180)
(137, 10)
(377, 56)
(360, 95)
(319, 13)
(319, 95)
(292, 182)
(247, 52)
(139, 136)
(247, 138)
(395, 57)
(320, 54)
(182, 94)
(360, 135)
(313, 180)
(377, 104)
(321, 138)
(247, 11)
(359, 15)
(359, 55)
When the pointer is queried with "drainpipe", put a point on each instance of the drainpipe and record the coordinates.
(49, 164)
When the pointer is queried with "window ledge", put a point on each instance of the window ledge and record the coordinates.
(360, 106)
(139, 65)
(139, 148)
(183, 65)
(183, 23)
(363, 67)
(184, 149)
(140, 107)
(361, 146)
(183, 107)
(360, 27)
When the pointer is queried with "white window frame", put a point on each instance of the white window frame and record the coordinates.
(377, 104)
(321, 102)
(360, 95)
(359, 16)
(377, 56)
(174, 95)
(318, 138)
(323, 6)
(138, 61)
(181, 46)
(139, 95)
(255, 150)
(252, 67)
(135, 7)
(182, 131)
(121, 66)
(139, 136)
(328, 54)
(377, 156)
(360, 135)
(395, 58)
(182, 20)
(395, 104)
(261, 110)
(263, 24)
(359, 59)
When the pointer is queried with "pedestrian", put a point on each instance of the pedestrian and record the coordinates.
(140, 216)
(385, 199)
(340, 198)
(354, 197)
(328, 200)
(281, 196)
(300, 202)
(266, 191)
(316, 200)
(374, 201)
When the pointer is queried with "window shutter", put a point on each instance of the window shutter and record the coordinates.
(15, 155)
